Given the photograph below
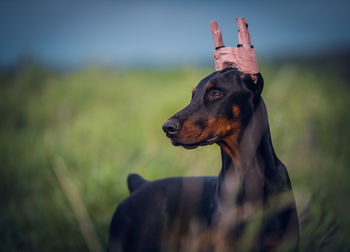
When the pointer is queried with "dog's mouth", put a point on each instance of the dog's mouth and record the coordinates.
(208, 141)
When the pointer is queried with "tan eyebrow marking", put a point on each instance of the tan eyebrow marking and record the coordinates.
(210, 85)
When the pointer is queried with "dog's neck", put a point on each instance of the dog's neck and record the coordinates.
(247, 186)
(242, 177)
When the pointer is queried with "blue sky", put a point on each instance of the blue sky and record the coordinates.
(69, 33)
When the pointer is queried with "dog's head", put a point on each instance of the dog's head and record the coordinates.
(221, 106)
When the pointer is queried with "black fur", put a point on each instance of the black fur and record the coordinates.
(174, 214)
(135, 181)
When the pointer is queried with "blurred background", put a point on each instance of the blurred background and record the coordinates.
(86, 85)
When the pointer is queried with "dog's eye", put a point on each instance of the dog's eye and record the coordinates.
(214, 95)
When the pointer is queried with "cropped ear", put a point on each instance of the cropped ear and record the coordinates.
(258, 82)
(255, 83)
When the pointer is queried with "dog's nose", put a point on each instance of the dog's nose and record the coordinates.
(171, 127)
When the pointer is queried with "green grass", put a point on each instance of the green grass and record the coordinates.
(101, 125)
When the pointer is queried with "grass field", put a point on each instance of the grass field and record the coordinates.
(68, 141)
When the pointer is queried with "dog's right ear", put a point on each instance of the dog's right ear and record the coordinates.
(255, 83)
(258, 82)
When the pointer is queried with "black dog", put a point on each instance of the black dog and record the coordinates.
(248, 207)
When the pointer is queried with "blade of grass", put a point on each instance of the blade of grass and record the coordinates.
(85, 224)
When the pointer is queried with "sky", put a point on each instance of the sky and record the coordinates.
(127, 33)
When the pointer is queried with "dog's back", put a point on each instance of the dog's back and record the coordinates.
(162, 215)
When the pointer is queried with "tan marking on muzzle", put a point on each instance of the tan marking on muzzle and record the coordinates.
(189, 132)
(222, 127)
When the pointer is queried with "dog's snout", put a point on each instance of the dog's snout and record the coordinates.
(171, 127)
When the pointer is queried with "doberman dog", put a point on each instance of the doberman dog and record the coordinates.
(249, 206)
